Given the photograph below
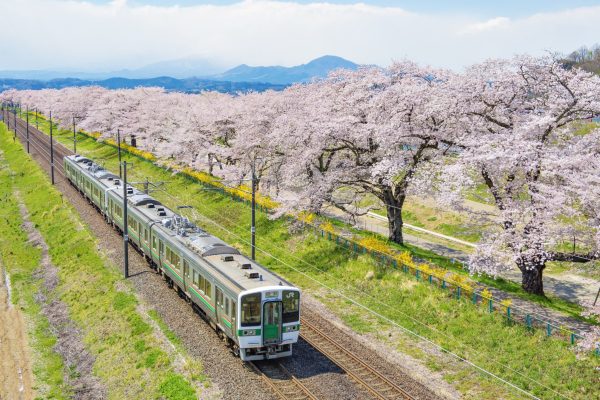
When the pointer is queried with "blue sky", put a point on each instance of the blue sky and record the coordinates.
(101, 35)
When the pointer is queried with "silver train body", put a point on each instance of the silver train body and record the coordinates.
(254, 310)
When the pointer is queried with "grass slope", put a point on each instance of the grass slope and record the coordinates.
(129, 356)
(530, 360)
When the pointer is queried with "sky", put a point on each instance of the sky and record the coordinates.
(103, 35)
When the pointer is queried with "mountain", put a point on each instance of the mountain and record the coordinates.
(180, 68)
(191, 75)
(317, 68)
(188, 85)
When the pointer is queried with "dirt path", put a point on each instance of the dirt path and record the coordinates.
(16, 379)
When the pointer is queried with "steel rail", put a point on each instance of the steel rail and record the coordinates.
(378, 385)
(284, 384)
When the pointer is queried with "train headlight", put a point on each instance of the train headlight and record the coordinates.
(248, 332)
(292, 328)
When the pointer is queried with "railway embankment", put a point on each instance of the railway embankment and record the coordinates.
(88, 337)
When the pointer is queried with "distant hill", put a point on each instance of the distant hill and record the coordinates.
(317, 68)
(189, 85)
(183, 75)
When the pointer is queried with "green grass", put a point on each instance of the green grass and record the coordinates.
(89, 285)
(510, 351)
(21, 259)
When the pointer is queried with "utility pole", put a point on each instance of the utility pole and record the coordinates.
(74, 137)
(15, 121)
(125, 227)
(119, 150)
(51, 151)
(27, 119)
(37, 126)
(253, 226)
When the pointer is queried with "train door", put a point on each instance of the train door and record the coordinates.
(186, 274)
(219, 304)
(271, 323)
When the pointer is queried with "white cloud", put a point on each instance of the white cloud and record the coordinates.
(492, 24)
(76, 34)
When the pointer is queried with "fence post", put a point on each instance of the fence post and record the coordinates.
(508, 313)
(528, 321)
(417, 274)
(430, 278)
(491, 305)
(548, 329)
(572, 338)
(443, 284)
(474, 297)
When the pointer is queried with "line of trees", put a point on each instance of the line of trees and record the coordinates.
(388, 133)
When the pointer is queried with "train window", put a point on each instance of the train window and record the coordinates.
(208, 288)
(161, 246)
(226, 306)
(251, 309)
(186, 269)
(196, 278)
(220, 298)
(154, 242)
(201, 283)
(291, 306)
(146, 235)
(233, 312)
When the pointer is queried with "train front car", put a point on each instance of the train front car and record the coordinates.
(269, 322)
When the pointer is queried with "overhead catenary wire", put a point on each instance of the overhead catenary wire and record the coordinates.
(382, 316)
(366, 308)
(531, 312)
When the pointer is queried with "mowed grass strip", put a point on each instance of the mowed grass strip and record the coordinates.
(129, 357)
(545, 366)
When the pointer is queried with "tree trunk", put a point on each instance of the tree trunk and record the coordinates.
(532, 281)
(394, 215)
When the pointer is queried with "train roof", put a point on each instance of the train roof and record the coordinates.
(244, 273)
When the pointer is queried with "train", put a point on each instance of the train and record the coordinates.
(255, 311)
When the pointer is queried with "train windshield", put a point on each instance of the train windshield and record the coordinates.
(250, 310)
(291, 306)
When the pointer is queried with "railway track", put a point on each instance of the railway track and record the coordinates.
(281, 381)
(376, 384)
(39, 143)
(273, 373)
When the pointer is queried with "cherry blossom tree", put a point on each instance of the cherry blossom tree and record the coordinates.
(522, 143)
(366, 133)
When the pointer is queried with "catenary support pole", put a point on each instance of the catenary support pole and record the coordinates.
(37, 125)
(119, 150)
(51, 151)
(74, 137)
(253, 227)
(125, 227)
(27, 130)
(15, 121)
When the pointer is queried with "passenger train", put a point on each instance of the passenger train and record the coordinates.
(251, 308)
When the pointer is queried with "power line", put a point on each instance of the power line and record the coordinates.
(175, 198)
